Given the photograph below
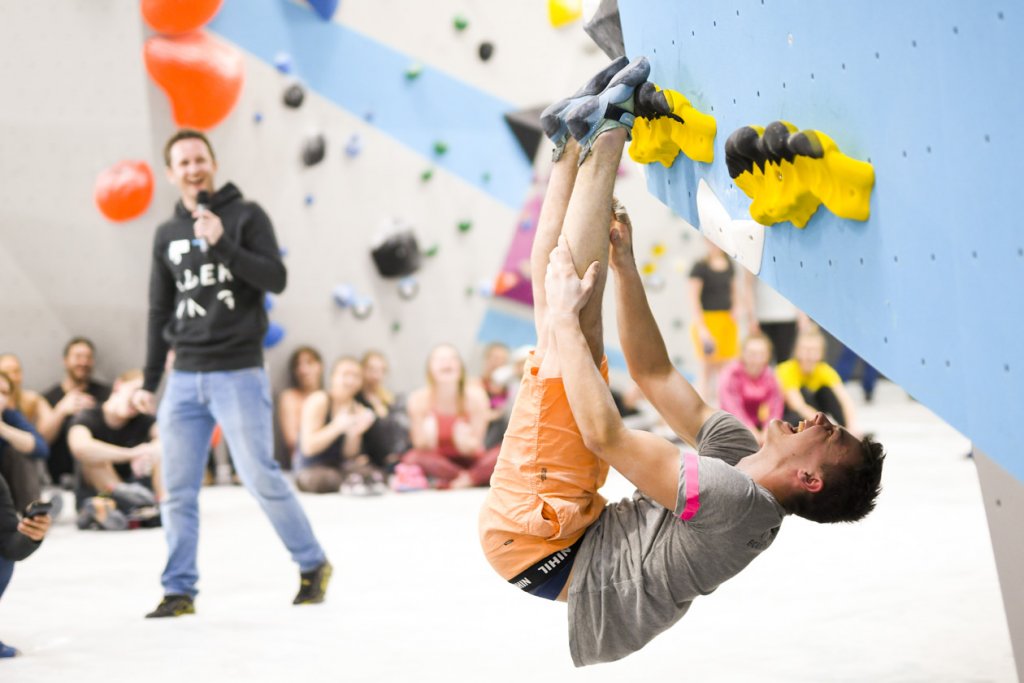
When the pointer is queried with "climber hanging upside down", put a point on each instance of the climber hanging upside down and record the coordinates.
(630, 570)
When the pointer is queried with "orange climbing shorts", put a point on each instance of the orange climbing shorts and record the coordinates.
(543, 493)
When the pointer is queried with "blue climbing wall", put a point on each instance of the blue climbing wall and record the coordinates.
(929, 289)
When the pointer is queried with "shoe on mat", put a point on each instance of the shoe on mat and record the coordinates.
(409, 478)
(613, 108)
(101, 514)
(173, 606)
(6, 651)
(552, 119)
(313, 585)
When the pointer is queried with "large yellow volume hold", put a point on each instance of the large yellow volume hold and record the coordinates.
(686, 129)
(842, 183)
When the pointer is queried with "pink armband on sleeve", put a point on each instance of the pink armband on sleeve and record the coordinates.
(691, 473)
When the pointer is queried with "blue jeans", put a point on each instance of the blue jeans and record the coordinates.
(6, 569)
(239, 401)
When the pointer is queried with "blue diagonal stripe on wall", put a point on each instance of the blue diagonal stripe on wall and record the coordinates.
(364, 76)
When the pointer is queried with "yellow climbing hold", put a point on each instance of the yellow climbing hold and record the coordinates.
(649, 268)
(686, 129)
(658, 250)
(788, 174)
(842, 183)
(562, 12)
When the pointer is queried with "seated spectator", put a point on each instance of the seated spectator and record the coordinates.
(18, 540)
(75, 393)
(117, 453)
(29, 403)
(494, 378)
(748, 387)
(809, 384)
(305, 376)
(20, 447)
(448, 422)
(330, 452)
(388, 438)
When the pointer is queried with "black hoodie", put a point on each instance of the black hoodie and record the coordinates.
(208, 305)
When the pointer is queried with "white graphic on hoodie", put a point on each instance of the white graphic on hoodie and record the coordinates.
(177, 249)
(228, 297)
(209, 275)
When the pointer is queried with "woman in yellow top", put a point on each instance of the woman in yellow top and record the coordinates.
(809, 384)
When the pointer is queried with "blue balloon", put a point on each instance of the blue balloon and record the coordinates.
(274, 335)
(325, 8)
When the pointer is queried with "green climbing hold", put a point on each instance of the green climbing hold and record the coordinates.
(486, 177)
(427, 175)
(469, 291)
(465, 226)
(413, 71)
(396, 327)
(460, 22)
(440, 148)
(432, 250)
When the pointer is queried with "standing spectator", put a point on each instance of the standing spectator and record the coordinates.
(20, 446)
(713, 307)
(118, 455)
(331, 443)
(749, 389)
(809, 384)
(847, 363)
(771, 313)
(211, 268)
(75, 393)
(18, 540)
(448, 420)
(305, 376)
(494, 378)
(388, 438)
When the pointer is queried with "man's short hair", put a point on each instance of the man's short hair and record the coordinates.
(186, 134)
(76, 341)
(849, 492)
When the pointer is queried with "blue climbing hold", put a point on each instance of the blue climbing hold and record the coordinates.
(309, 199)
(343, 295)
(268, 302)
(325, 8)
(257, 118)
(283, 62)
(354, 146)
(274, 335)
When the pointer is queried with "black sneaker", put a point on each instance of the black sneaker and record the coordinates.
(313, 586)
(173, 606)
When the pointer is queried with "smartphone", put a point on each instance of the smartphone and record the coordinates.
(38, 508)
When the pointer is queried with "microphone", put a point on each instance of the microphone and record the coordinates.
(202, 204)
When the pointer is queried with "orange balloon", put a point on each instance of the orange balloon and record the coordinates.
(178, 16)
(202, 76)
(506, 281)
(124, 190)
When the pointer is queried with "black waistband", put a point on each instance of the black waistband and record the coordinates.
(547, 577)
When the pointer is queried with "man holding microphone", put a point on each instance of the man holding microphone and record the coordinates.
(213, 261)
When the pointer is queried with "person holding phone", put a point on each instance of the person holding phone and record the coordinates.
(19, 538)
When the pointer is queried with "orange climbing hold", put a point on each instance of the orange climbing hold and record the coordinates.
(202, 76)
(178, 16)
(505, 281)
(124, 190)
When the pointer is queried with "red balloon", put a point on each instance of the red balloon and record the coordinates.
(178, 16)
(124, 190)
(202, 76)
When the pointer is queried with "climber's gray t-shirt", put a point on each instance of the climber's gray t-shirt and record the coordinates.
(640, 565)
